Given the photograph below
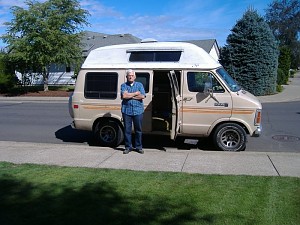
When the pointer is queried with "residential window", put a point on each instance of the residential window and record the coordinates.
(101, 85)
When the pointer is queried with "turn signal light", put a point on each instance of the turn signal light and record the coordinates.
(257, 117)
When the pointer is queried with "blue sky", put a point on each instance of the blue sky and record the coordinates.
(164, 20)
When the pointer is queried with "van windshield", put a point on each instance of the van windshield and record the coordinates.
(231, 83)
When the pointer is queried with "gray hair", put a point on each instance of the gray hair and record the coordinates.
(129, 71)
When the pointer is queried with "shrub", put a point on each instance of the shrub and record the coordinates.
(281, 77)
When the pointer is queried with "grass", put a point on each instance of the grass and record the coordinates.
(34, 194)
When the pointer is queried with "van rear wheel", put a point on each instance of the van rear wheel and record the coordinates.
(109, 134)
(230, 137)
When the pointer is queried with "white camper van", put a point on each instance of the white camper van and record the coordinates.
(188, 94)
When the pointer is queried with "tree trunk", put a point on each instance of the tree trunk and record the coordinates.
(45, 76)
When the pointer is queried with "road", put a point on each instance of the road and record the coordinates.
(48, 122)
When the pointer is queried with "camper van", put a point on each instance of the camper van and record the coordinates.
(188, 94)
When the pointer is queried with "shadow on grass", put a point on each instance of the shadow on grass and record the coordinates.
(22, 202)
(68, 134)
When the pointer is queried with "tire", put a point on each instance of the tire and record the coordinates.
(109, 134)
(230, 137)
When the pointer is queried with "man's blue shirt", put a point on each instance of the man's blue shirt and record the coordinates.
(132, 107)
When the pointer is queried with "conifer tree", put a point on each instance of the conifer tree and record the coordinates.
(251, 54)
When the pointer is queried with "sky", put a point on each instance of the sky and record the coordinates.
(163, 20)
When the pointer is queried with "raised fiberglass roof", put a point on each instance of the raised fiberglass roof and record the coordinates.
(117, 56)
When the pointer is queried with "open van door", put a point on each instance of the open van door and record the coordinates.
(175, 95)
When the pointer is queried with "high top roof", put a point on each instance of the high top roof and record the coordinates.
(117, 56)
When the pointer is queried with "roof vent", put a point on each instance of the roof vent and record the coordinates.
(121, 35)
(148, 40)
(105, 36)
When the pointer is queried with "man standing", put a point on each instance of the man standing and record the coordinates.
(132, 95)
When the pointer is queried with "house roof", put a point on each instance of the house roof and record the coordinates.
(93, 40)
(207, 45)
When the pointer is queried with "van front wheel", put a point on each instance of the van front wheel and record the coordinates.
(109, 134)
(230, 137)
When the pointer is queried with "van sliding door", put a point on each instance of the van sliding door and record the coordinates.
(175, 95)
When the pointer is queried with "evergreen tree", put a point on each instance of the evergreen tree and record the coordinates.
(251, 54)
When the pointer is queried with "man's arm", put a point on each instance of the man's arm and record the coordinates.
(141, 93)
(139, 96)
(134, 95)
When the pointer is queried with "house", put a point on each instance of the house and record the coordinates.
(210, 46)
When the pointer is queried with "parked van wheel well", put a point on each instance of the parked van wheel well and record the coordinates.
(104, 119)
(242, 125)
(108, 132)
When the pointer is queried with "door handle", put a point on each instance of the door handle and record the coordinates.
(187, 99)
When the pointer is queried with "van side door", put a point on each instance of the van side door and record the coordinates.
(176, 99)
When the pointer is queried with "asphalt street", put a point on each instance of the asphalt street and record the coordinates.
(166, 159)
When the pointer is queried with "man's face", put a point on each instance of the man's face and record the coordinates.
(130, 77)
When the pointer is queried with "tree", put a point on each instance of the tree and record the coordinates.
(284, 65)
(7, 76)
(283, 17)
(46, 33)
(251, 54)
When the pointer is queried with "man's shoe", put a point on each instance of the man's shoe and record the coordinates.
(126, 151)
(141, 151)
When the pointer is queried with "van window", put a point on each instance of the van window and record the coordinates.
(201, 81)
(101, 85)
(155, 56)
(144, 79)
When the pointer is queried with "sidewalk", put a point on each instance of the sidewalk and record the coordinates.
(291, 92)
(189, 161)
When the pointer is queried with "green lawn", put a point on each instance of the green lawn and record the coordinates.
(33, 194)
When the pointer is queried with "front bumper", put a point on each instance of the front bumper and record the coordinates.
(257, 132)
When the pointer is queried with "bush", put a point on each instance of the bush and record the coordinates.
(292, 73)
(279, 88)
(7, 82)
(281, 78)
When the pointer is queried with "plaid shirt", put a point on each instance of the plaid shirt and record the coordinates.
(132, 107)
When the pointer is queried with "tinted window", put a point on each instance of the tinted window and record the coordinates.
(144, 79)
(157, 56)
(101, 85)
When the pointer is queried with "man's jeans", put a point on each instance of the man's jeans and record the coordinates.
(137, 121)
